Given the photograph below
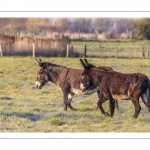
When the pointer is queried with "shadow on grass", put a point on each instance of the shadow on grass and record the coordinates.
(5, 98)
(30, 116)
(86, 109)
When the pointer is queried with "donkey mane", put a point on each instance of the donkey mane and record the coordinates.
(47, 64)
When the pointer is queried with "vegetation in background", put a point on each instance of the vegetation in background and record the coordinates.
(115, 27)
(142, 27)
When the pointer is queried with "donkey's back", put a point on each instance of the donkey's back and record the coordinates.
(122, 86)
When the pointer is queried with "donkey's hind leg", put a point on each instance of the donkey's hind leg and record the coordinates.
(137, 106)
(146, 101)
(112, 107)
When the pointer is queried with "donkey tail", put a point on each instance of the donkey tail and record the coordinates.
(148, 93)
(146, 97)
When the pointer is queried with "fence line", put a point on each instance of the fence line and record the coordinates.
(32, 46)
(117, 51)
(101, 51)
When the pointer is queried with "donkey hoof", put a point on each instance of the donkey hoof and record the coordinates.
(65, 108)
(72, 108)
(111, 116)
(107, 114)
(135, 117)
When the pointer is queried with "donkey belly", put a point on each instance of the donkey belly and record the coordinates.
(90, 91)
(86, 92)
(121, 97)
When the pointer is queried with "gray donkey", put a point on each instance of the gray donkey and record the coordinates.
(67, 79)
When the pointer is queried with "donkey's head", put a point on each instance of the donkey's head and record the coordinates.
(85, 81)
(42, 75)
(89, 72)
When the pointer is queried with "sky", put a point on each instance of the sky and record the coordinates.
(76, 8)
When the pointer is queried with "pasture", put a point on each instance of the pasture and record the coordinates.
(24, 108)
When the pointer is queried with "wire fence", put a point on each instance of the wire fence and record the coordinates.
(99, 52)
(114, 51)
(33, 46)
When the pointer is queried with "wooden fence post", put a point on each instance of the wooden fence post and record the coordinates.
(33, 49)
(143, 51)
(85, 51)
(79, 33)
(131, 35)
(67, 53)
(72, 51)
(1, 52)
(147, 51)
(117, 52)
(100, 50)
(96, 34)
(108, 36)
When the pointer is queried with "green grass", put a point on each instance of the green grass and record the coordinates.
(24, 108)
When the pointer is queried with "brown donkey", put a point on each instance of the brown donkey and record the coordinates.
(116, 85)
(67, 79)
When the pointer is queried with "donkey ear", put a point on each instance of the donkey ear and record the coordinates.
(86, 62)
(39, 62)
(83, 64)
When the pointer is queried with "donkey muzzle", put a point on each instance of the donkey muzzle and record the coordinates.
(38, 85)
(82, 88)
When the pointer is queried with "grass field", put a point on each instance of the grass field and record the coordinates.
(24, 108)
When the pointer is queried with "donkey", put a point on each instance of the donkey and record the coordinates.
(67, 79)
(116, 85)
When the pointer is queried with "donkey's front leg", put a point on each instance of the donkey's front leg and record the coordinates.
(70, 97)
(99, 95)
(99, 104)
(65, 99)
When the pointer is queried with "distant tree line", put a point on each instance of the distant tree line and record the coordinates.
(41, 26)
